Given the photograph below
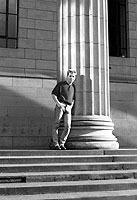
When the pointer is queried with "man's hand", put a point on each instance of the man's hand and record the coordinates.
(59, 104)
(62, 106)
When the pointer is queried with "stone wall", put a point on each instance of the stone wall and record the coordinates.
(27, 76)
(123, 85)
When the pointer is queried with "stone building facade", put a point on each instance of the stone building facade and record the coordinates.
(54, 35)
(123, 90)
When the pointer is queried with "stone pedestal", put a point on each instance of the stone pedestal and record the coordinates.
(83, 45)
(92, 132)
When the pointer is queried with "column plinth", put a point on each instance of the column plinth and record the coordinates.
(92, 132)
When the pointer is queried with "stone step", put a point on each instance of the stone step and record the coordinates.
(99, 195)
(67, 176)
(124, 158)
(121, 152)
(49, 152)
(76, 166)
(66, 159)
(79, 174)
(32, 152)
(56, 159)
(67, 186)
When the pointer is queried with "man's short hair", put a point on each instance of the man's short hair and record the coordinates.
(71, 71)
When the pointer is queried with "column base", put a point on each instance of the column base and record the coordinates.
(92, 132)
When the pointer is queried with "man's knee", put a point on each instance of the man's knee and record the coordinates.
(67, 127)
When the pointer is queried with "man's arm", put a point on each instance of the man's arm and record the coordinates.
(72, 104)
(60, 105)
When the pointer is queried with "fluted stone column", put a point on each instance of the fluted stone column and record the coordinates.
(83, 45)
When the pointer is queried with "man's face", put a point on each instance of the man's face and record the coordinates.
(71, 78)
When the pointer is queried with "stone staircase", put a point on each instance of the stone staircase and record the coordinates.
(71, 174)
